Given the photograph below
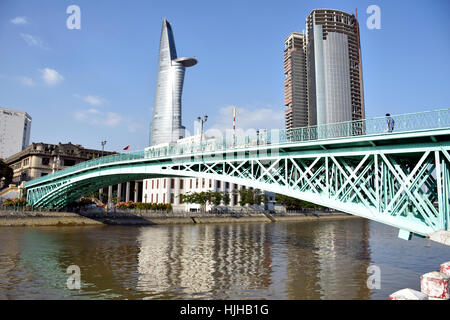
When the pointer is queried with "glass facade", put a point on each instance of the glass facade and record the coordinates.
(166, 125)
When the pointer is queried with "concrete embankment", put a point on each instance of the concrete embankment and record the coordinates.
(24, 218)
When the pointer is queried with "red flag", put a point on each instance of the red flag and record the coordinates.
(126, 148)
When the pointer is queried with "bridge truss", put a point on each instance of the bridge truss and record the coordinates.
(400, 179)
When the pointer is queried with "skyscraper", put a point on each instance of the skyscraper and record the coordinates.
(15, 127)
(295, 81)
(330, 62)
(166, 125)
(166, 128)
(334, 60)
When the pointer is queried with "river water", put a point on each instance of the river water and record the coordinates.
(284, 260)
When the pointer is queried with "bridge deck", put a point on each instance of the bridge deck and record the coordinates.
(400, 178)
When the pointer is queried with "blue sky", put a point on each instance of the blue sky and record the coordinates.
(98, 83)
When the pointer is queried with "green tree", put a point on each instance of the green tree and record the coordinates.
(243, 197)
(226, 198)
(217, 198)
(250, 194)
(200, 198)
(259, 196)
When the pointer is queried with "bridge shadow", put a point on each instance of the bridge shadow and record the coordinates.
(145, 218)
(118, 218)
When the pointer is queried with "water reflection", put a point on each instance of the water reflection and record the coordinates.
(205, 261)
(309, 260)
(286, 260)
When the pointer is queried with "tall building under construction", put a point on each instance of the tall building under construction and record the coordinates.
(295, 82)
(323, 71)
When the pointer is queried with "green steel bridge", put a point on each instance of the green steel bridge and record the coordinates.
(399, 178)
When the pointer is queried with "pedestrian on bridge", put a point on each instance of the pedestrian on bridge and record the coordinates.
(389, 123)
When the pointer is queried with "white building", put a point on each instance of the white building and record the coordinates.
(15, 127)
(172, 189)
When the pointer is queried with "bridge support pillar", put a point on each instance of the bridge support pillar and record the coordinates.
(222, 188)
(127, 192)
(136, 191)
(110, 189)
(176, 191)
(119, 192)
(405, 234)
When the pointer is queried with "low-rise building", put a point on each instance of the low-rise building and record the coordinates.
(40, 159)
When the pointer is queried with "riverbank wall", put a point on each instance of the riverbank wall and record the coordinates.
(48, 218)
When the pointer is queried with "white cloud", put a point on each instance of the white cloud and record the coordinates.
(33, 41)
(93, 111)
(92, 100)
(51, 76)
(26, 81)
(109, 119)
(19, 20)
(90, 116)
(112, 119)
(255, 118)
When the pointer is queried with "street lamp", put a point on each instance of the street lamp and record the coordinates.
(100, 191)
(202, 121)
(103, 146)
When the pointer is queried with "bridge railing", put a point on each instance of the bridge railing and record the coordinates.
(435, 119)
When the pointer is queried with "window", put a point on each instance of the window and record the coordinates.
(196, 183)
(146, 184)
(181, 183)
(227, 185)
(152, 199)
(69, 162)
(153, 185)
(172, 198)
(45, 161)
(164, 198)
(164, 183)
(190, 184)
(157, 187)
(218, 184)
(181, 198)
(26, 162)
(172, 183)
(210, 183)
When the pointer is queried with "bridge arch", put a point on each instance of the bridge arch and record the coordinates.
(401, 179)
